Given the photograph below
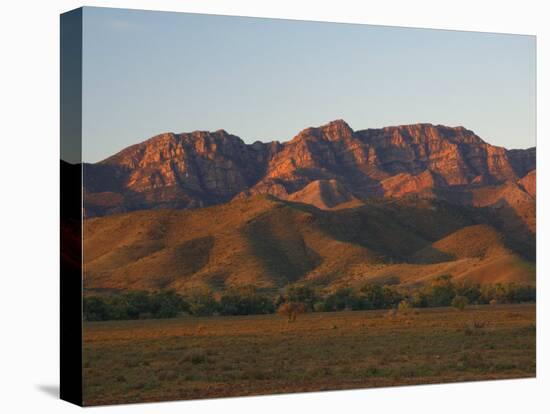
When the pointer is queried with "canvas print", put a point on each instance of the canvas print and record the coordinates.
(274, 206)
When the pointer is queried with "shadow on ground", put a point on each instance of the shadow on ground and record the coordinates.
(50, 389)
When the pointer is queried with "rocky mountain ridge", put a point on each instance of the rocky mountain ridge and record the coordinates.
(199, 169)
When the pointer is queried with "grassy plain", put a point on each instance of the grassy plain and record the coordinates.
(189, 358)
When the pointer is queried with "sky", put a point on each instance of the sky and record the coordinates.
(146, 73)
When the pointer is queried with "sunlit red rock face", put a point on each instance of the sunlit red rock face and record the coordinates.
(529, 183)
(198, 169)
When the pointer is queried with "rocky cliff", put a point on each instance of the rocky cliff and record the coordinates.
(199, 169)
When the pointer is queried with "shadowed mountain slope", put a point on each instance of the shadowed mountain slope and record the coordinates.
(270, 242)
(324, 194)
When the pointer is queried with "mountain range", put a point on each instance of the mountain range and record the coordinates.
(200, 169)
(331, 206)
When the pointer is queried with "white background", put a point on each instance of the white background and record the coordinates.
(29, 193)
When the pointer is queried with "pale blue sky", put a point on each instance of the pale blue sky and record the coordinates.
(266, 79)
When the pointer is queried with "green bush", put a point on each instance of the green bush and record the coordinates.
(344, 298)
(472, 291)
(302, 293)
(95, 309)
(441, 292)
(374, 296)
(507, 293)
(245, 301)
(380, 297)
(133, 305)
(202, 303)
(419, 299)
(167, 304)
(319, 307)
(459, 302)
(249, 300)
(138, 304)
(404, 305)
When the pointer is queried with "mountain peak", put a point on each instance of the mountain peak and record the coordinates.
(337, 129)
(333, 131)
(337, 123)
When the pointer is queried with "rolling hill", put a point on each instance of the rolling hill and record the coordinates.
(331, 206)
(269, 242)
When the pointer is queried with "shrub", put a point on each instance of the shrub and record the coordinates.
(249, 300)
(441, 292)
(196, 357)
(344, 298)
(404, 306)
(117, 307)
(419, 299)
(133, 305)
(302, 293)
(319, 307)
(379, 297)
(138, 303)
(202, 303)
(526, 294)
(478, 324)
(245, 301)
(374, 296)
(95, 309)
(291, 310)
(475, 327)
(167, 304)
(279, 300)
(391, 296)
(471, 291)
(459, 302)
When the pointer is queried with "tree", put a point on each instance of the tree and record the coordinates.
(472, 291)
(343, 298)
(167, 304)
(202, 303)
(525, 294)
(301, 293)
(380, 297)
(245, 301)
(404, 306)
(138, 303)
(291, 310)
(441, 292)
(374, 296)
(419, 299)
(459, 302)
(95, 309)
(117, 307)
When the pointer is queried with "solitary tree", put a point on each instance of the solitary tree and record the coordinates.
(291, 310)
(404, 306)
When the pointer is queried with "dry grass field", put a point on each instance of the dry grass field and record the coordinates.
(188, 358)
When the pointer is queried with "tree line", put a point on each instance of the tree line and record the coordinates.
(248, 300)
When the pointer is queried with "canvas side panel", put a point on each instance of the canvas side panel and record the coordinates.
(71, 207)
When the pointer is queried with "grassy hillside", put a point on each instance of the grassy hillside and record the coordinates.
(270, 243)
